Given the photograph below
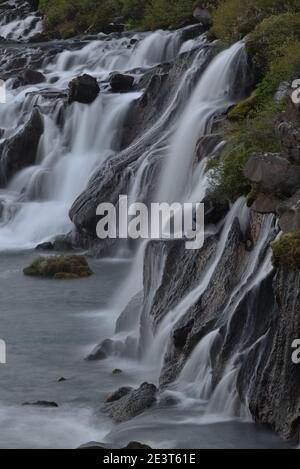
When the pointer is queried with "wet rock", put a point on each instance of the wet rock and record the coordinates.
(136, 445)
(83, 89)
(44, 247)
(62, 244)
(132, 404)
(117, 395)
(19, 151)
(102, 351)
(121, 83)
(180, 335)
(273, 394)
(61, 380)
(191, 32)
(129, 318)
(214, 210)
(30, 77)
(117, 371)
(45, 404)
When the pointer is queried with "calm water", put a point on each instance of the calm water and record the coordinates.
(49, 327)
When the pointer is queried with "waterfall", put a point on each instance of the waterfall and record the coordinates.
(14, 25)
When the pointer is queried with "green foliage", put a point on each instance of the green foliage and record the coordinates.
(59, 267)
(234, 19)
(270, 40)
(286, 251)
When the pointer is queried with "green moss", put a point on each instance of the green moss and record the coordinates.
(59, 267)
(286, 251)
(244, 108)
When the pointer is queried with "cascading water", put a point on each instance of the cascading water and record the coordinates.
(76, 141)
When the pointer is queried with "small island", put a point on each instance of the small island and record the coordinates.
(63, 267)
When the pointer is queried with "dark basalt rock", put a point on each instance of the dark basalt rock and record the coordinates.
(46, 404)
(30, 77)
(83, 89)
(132, 404)
(19, 151)
(117, 395)
(44, 247)
(121, 83)
(269, 379)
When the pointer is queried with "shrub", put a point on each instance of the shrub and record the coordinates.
(234, 19)
(286, 251)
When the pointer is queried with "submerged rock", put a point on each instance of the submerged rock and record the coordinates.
(30, 77)
(44, 247)
(59, 267)
(83, 89)
(132, 403)
(121, 83)
(46, 404)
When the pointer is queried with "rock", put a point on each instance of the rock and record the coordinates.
(133, 403)
(273, 394)
(273, 174)
(44, 247)
(59, 267)
(46, 404)
(264, 203)
(214, 210)
(191, 32)
(19, 151)
(121, 83)
(203, 16)
(282, 92)
(117, 395)
(102, 351)
(62, 244)
(180, 335)
(83, 89)
(61, 380)
(114, 28)
(288, 132)
(129, 318)
(96, 445)
(136, 445)
(289, 214)
(117, 372)
(30, 77)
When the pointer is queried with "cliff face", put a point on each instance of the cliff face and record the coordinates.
(274, 396)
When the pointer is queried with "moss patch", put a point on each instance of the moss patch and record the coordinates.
(286, 251)
(64, 267)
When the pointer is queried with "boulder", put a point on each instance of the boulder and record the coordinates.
(203, 16)
(132, 404)
(121, 83)
(191, 32)
(136, 445)
(30, 77)
(19, 151)
(83, 89)
(44, 247)
(273, 174)
(105, 349)
(289, 214)
(117, 395)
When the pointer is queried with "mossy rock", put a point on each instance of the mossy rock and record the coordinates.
(64, 267)
(286, 251)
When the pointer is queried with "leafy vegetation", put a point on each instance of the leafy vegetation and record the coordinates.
(273, 49)
(59, 267)
(286, 251)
